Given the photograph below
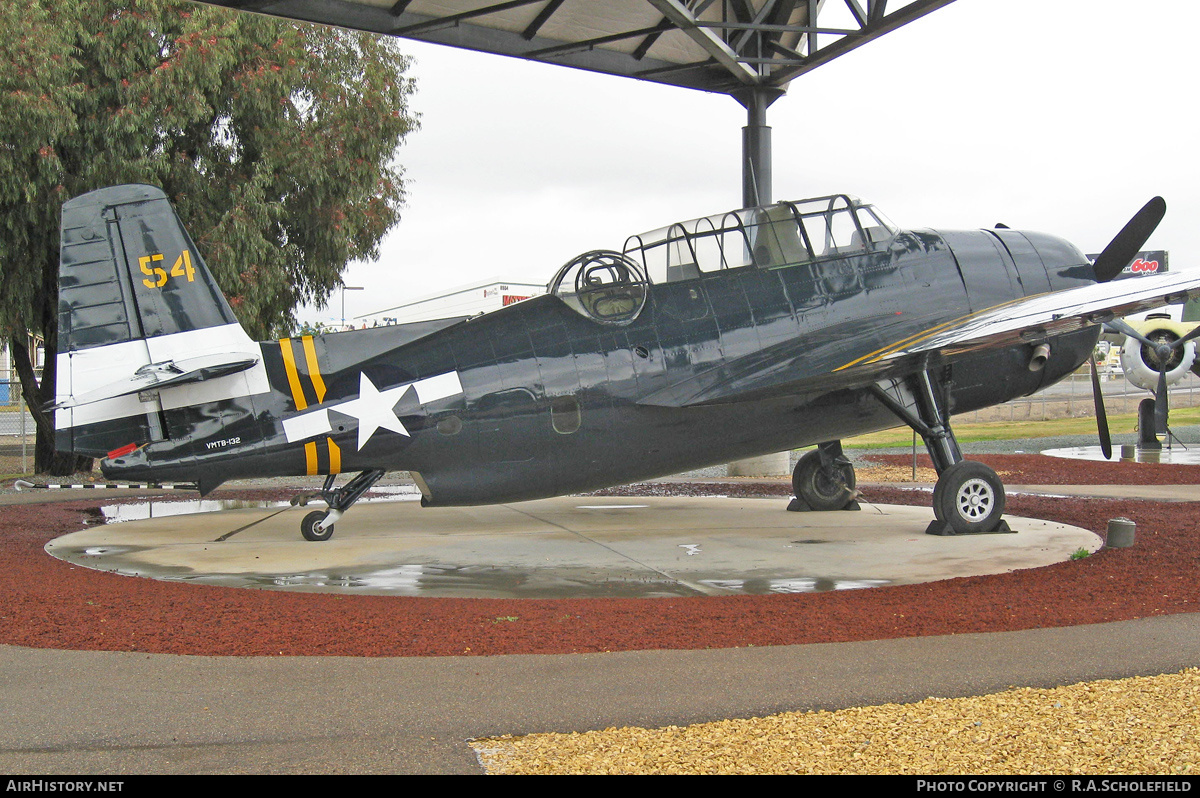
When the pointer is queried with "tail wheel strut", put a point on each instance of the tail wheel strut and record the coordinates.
(318, 525)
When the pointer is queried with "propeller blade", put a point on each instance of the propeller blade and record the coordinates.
(1180, 342)
(1129, 241)
(1101, 416)
(1160, 403)
(1119, 326)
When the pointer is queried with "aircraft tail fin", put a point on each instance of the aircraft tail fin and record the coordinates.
(143, 326)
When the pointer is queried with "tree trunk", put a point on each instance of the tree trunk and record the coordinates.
(45, 459)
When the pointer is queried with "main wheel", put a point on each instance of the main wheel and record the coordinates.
(308, 527)
(824, 488)
(969, 497)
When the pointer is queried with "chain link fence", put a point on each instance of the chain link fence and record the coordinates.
(1072, 398)
(16, 431)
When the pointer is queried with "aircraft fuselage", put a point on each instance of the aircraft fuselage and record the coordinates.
(537, 399)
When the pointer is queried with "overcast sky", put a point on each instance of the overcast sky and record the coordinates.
(1057, 115)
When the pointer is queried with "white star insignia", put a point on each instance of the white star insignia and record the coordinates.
(374, 409)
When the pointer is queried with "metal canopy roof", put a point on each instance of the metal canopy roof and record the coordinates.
(732, 47)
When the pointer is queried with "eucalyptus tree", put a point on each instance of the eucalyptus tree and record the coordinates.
(276, 142)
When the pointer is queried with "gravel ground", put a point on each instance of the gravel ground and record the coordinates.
(1145, 725)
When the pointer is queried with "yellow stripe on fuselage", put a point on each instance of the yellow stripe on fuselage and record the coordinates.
(293, 376)
(924, 335)
(335, 457)
(314, 368)
(310, 458)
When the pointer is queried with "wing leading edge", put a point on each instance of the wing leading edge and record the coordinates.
(1027, 320)
(1042, 316)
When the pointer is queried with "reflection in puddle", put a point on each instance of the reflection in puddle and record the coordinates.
(451, 581)
(807, 584)
(142, 510)
(1175, 455)
(372, 575)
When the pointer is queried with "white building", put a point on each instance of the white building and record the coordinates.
(467, 300)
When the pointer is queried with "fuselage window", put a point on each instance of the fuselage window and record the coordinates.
(565, 414)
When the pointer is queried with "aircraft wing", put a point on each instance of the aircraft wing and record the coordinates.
(794, 367)
(1034, 318)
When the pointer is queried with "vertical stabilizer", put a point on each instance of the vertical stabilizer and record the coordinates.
(143, 327)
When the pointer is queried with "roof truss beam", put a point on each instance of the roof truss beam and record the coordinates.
(721, 52)
(541, 19)
(453, 19)
(723, 46)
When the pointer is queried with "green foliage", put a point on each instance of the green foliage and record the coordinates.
(274, 141)
(1080, 553)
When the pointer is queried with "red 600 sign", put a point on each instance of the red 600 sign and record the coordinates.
(1140, 266)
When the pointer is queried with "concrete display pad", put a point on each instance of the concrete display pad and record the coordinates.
(563, 547)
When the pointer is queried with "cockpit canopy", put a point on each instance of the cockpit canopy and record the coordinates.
(610, 287)
(766, 237)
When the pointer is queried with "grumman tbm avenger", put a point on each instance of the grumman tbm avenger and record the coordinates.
(721, 338)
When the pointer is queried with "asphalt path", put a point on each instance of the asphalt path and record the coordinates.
(109, 713)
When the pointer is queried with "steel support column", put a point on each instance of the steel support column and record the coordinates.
(756, 145)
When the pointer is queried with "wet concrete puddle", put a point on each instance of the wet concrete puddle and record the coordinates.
(427, 579)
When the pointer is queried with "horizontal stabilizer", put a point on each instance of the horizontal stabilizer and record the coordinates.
(167, 374)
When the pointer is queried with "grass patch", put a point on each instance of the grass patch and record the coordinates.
(1009, 430)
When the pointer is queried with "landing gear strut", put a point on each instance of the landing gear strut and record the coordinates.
(318, 525)
(969, 497)
(1148, 426)
(824, 480)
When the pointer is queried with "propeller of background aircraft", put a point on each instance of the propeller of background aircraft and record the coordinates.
(1163, 352)
(1116, 256)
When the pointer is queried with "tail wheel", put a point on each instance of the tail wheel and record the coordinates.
(308, 527)
(823, 487)
(969, 497)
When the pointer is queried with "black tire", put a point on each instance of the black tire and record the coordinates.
(938, 490)
(823, 489)
(308, 527)
(970, 498)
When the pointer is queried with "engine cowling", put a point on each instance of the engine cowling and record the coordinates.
(1140, 363)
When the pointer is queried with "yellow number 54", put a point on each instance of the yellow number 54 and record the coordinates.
(181, 268)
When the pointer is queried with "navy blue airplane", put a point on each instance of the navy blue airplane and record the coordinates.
(735, 335)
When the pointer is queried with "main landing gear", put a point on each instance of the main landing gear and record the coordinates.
(318, 525)
(824, 480)
(969, 497)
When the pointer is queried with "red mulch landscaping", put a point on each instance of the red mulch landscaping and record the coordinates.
(48, 603)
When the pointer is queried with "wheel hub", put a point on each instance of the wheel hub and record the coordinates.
(974, 499)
